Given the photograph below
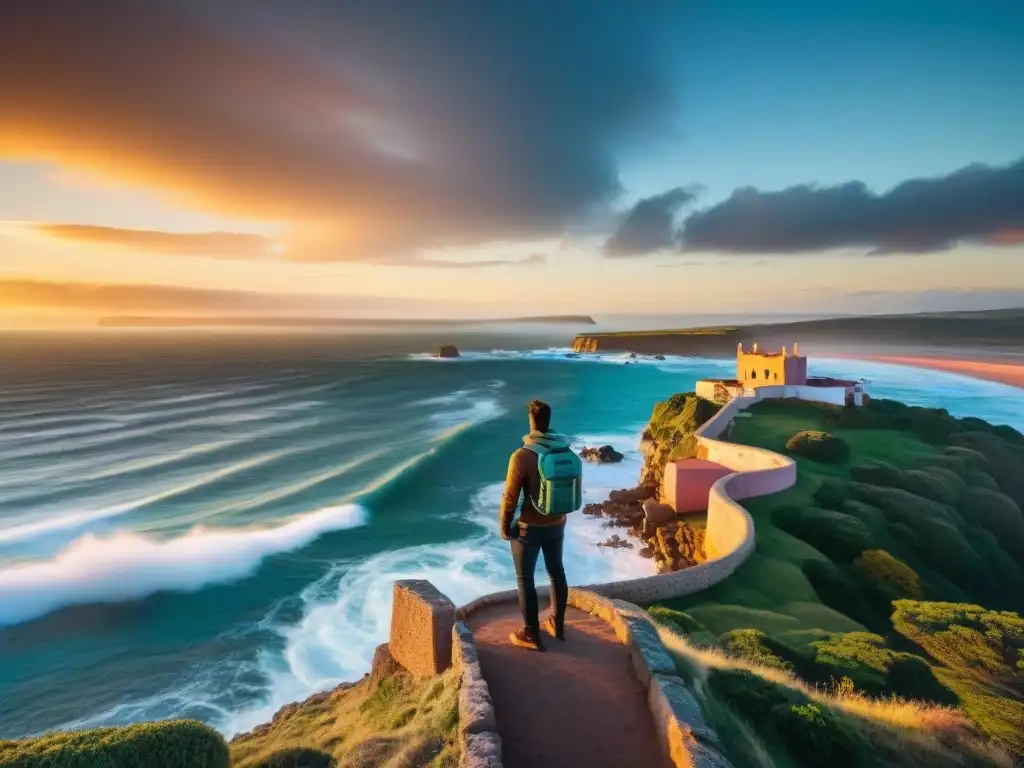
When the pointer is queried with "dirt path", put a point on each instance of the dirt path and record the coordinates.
(577, 704)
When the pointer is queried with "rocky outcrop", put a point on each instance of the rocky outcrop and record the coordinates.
(677, 545)
(583, 344)
(615, 542)
(670, 434)
(603, 455)
(672, 543)
(447, 351)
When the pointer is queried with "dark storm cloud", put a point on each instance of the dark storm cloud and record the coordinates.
(649, 225)
(400, 125)
(977, 204)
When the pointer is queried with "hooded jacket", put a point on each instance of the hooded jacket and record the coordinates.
(523, 480)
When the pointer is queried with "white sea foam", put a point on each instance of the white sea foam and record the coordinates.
(129, 565)
(348, 611)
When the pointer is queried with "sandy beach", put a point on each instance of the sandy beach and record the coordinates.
(1004, 373)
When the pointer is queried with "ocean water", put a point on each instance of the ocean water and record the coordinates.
(209, 525)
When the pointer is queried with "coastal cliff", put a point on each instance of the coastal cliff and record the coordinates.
(670, 434)
(993, 332)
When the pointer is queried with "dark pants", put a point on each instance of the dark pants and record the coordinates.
(533, 540)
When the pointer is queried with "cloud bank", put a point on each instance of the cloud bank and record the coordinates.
(979, 204)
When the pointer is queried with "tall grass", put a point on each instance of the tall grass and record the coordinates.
(919, 733)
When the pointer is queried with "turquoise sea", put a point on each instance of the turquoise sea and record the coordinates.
(208, 525)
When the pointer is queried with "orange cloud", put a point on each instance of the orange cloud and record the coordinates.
(23, 293)
(404, 128)
(223, 245)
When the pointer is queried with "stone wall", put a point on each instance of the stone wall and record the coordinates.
(684, 735)
(479, 742)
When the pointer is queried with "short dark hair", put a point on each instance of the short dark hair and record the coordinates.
(540, 415)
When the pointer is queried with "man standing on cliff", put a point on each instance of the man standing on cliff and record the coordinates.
(547, 475)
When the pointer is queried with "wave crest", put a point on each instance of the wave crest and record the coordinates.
(128, 566)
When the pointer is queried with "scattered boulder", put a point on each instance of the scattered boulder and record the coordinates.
(616, 542)
(659, 357)
(603, 455)
(656, 512)
(633, 495)
(448, 351)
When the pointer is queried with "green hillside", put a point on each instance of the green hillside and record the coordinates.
(868, 582)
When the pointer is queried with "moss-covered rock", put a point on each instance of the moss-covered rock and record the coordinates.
(670, 433)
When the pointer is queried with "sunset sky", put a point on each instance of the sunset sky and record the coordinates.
(455, 159)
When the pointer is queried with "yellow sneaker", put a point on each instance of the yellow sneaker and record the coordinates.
(521, 639)
(551, 629)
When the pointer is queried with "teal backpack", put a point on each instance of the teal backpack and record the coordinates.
(561, 480)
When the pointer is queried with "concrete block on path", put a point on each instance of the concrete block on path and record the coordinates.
(421, 627)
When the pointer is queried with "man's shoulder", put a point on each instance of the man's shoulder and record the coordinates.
(522, 453)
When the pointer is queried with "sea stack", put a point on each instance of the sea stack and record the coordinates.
(447, 350)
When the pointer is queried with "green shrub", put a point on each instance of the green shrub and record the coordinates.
(297, 757)
(875, 474)
(818, 446)
(1003, 460)
(971, 458)
(905, 535)
(755, 646)
(682, 622)
(996, 512)
(978, 479)
(892, 575)
(840, 593)
(834, 534)
(831, 493)
(935, 534)
(751, 695)
(932, 425)
(1007, 433)
(810, 732)
(935, 483)
(815, 737)
(966, 637)
(876, 669)
(167, 744)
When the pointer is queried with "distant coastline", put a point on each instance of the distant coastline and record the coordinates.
(1003, 373)
(991, 336)
(137, 321)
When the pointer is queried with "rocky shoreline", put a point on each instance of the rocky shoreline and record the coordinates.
(672, 543)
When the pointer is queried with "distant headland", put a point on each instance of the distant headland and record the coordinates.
(990, 337)
(137, 321)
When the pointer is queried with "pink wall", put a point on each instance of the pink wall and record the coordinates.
(688, 482)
